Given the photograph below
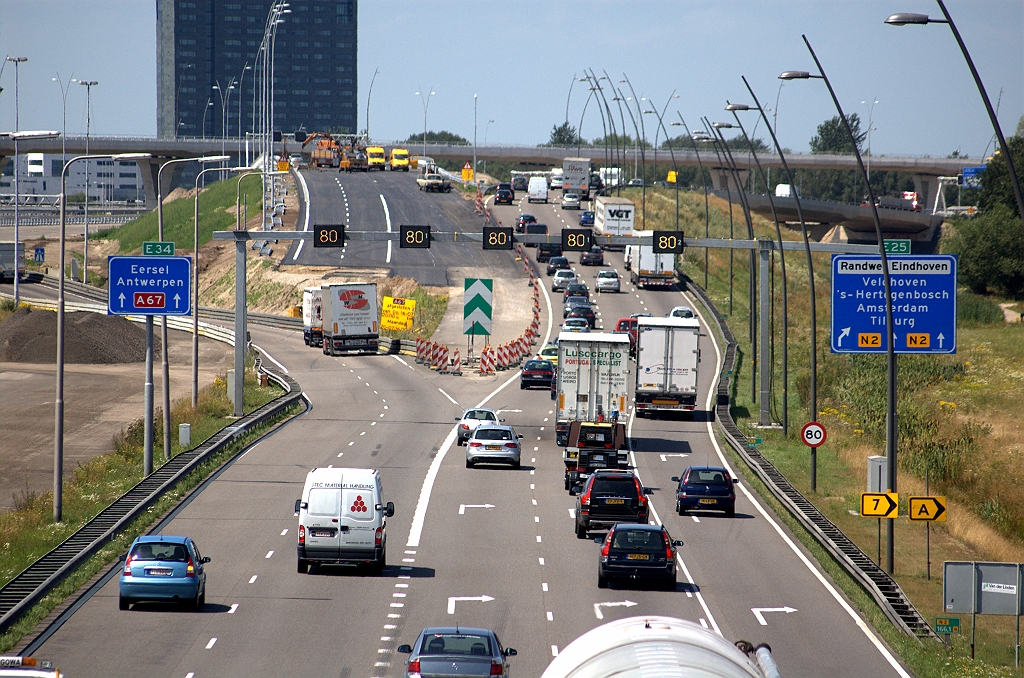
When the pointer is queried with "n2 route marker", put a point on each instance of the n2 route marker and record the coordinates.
(149, 286)
(455, 599)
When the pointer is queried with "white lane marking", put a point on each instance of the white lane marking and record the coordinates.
(536, 519)
(401, 586)
(305, 227)
(572, 513)
(538, 538)
(534, 502)
(533, 472)
(695, 519)
(363, 433)
(274, 360)
(554, 650)
(373, 423)
(544, 587)
(284, 532)
(233, 608)
(532, 487)
(341, 454)
(352, 443)
(394, 616)
(703, 622)
(190, 674)
(387, 218)
(253, 580)
(664, 456)
(385, 638)
(398, 595)
(410, 553)
(541, 560)
(551, 617)
(269, 553)
(210, 644)
(390, 626)
(397, 604)
(408, 560)
(861, 624)
(420, 514)
(403, 362)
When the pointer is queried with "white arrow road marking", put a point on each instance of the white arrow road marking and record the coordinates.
(452, 600)
(463, 507)
(663, 456)
(844, 333)
(621, 603)
(759, 610)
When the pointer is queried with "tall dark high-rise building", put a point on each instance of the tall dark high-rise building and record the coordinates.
(205, 46)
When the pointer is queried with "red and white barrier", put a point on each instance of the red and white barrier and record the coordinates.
(442, 360)
(456, 363)
(435, 349)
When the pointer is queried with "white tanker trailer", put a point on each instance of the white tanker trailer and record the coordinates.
(659, 646)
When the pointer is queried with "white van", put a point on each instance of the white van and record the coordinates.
(343, 519)
(538, 191)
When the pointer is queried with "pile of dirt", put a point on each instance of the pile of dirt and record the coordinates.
(30, 336)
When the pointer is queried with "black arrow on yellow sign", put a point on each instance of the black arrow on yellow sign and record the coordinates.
(928, 508)
(879, 504)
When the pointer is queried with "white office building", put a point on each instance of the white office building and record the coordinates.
(39, 174)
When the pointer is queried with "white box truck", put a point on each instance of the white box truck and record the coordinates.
(667, 356)
(351, 318)
(537, 190)
(313, 316)
(7, 263)
(647, 269)
(576, 177)
(591, 380)
(613, 216)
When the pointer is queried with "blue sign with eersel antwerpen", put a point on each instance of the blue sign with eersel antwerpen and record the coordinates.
(923, 298)
(149, 286)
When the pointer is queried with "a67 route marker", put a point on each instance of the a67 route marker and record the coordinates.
(813, 434)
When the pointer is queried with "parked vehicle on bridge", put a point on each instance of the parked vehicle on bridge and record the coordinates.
(313, 316)
(592, 379)
(705, 488)
(667, 358)
(350, 318)
(456, 651)
(343, 519)
(163, 568)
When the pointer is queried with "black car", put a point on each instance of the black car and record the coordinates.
(705, 488)
(536, 373)
(503, 197)
(576, 289)
(507, 186)
(593, 257)
(609, 497)
(584, 311)
(522, 220)
(547, 250)
(538, 229)
(637, 552)
(519, 183)
(557, 264)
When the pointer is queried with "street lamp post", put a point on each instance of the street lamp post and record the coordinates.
(487, 128)
(241, 79)
(17, 172)
(782, 256)
(708, 135)
(704, 181)
(88, 128)
(425, 98)
(871, 113)
(58, 414)
(205, 111)
(369, 93)
(643, 157)
(64, 89)
(17, 136)
(225, 109)
(905, 18)
(890, 351)
(616, 157)
(474, 138)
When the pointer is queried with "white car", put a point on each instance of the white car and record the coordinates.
(571, 201)
(608, 281)
(472, 418)
(562, 277)
(575, 325)
(681, 312)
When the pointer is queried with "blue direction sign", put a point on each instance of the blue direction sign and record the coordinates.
(924, 303)
(972, 177)
(149, 286)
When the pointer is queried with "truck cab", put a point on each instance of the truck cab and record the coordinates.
(594, 446)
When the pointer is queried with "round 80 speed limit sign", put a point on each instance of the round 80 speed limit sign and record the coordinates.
(813, 434)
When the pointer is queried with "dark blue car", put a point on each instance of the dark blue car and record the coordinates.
(587, 218)
(163, 568)
(705, 488)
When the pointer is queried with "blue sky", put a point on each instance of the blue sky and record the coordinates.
(520, 58)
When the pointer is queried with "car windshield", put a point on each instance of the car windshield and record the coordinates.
(575, 322)
(558, 261)
(682, 312)
(706, 477)
(638, 540)
(482, 415)
(564, 273)
(167, 552)
(456, 644)
(619, 487)
(536, 228)
(492, 434)
(538, 365)
(608, 274)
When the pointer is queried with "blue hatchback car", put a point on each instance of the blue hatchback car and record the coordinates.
(705, 488)
(586, 218)
(163, 568)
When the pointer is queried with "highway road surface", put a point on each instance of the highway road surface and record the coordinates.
(487, 547)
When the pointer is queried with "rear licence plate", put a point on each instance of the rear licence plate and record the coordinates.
(615, 501)
(320, 533)
(159, 571)
(638, 556)
(494, 447)
(597, 457)
(709, 501)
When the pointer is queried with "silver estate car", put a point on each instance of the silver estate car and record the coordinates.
(562, 278)
(473, 418)
(492, 443)
(456, 651)
(608, 281)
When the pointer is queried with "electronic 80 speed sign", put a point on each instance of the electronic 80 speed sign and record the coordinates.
(667, 242)
(415, 236)
(497, 237)
(329, 235)
(576, 239)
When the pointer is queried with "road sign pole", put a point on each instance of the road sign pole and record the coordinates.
(147, 456)
(765, 311)
(927, 533)
(239, 394)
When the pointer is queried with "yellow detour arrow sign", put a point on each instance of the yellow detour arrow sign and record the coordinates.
(879, 504)
(928, 508)
(397, 313)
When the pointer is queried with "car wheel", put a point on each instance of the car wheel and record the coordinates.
(730, 512)
(202, 598)
(568, 485)
(193, 604)
(581, 531)
(123, 603)
(516, 465)
(302, 567)
(522, 386)
(670, 583)
(469, 464)
(602, 581)
(680, 510)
